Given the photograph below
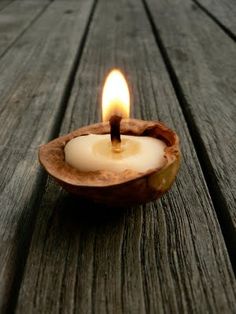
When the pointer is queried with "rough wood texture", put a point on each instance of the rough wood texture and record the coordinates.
(203, 58)
(4, 4)
(16, 18)
(223, 11)
(34, 79)
(165, 257)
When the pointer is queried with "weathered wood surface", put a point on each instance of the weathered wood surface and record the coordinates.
(164, 257)
(34, 79)
(16, 18)
(4, 4)
(203, 59)
(223, 11)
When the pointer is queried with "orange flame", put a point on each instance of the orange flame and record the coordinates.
(115, 96)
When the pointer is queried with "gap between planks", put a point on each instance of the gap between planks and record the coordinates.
(216, 20)
(10, 308)
(4, 4)
(24, 25)
(24, 240)
(224, 218)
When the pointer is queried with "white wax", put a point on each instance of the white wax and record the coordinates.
(94, 152)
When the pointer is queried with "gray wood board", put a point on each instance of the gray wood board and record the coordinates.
(16, 18)
(224, 11)
(34, 77)
(203, 58)
(164, 257)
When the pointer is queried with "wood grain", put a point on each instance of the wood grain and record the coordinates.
(4, 4)
(164, 257)
(203, 59)
(35, 75)
(223, 12)
(16, 18)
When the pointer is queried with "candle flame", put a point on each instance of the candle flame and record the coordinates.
(115, 96)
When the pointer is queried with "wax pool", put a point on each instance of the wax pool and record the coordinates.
(94, 152)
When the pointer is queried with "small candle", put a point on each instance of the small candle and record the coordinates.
(134, 164)
(114, 152)
(94, 152)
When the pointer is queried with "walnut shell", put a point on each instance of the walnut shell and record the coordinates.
(112, 188)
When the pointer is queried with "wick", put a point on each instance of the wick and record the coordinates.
(115, 133)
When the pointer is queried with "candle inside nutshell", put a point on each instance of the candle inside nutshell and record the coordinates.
(94, 152)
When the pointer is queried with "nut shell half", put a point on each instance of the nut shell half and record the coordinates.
(111, 188)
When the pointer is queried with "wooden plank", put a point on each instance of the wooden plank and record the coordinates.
(35, 76)
(223, 12)
(164, 257)
(16, 18)
(203, 58)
